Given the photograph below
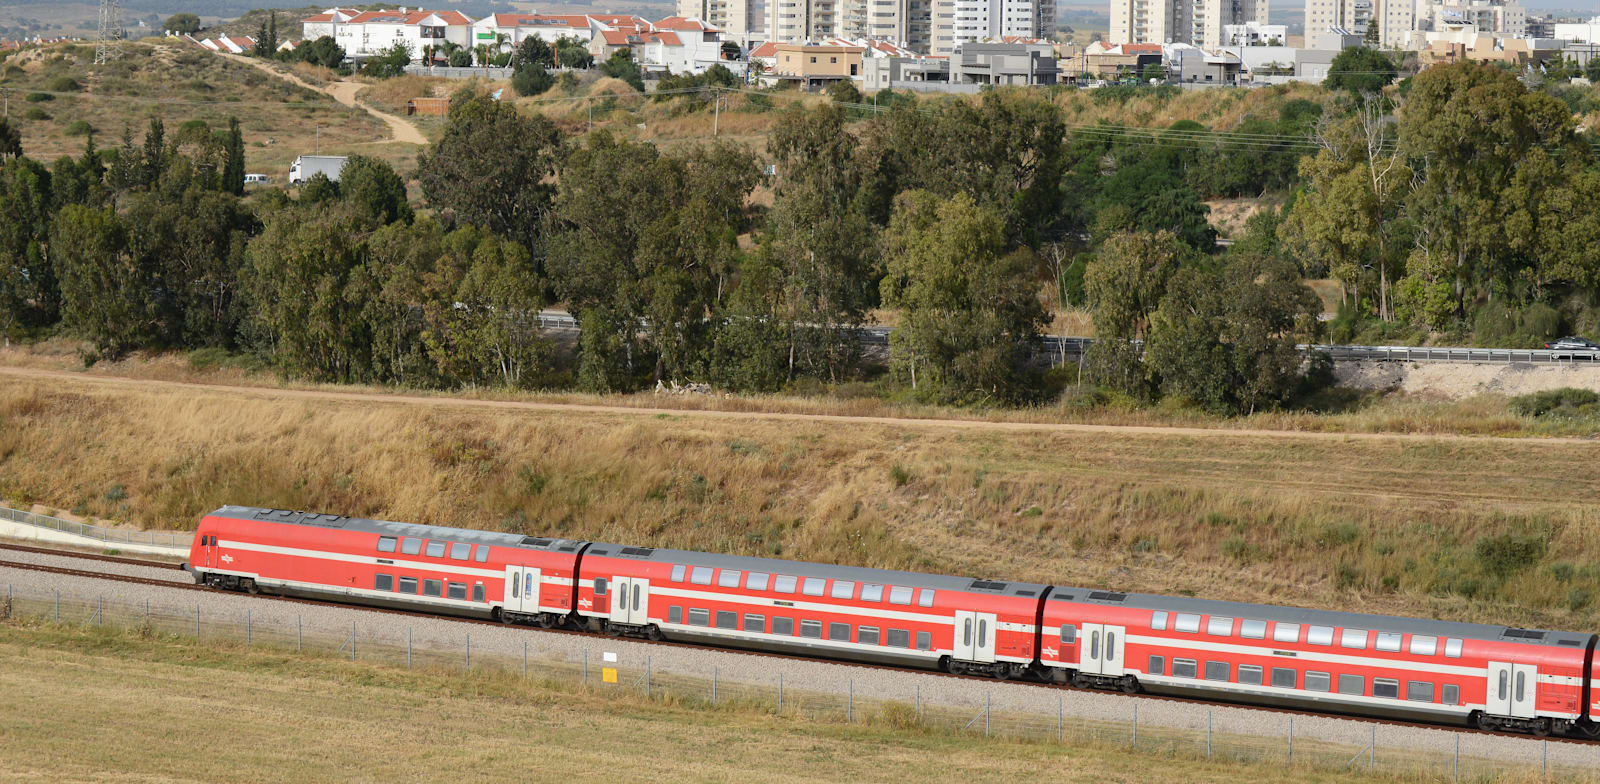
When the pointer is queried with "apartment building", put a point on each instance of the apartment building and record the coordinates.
(1485, 17)
(743, 21)
(983, 20)
(1325, 15)
(371, 32)
(1198, 22)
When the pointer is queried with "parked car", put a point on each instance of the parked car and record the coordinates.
(1574, 344)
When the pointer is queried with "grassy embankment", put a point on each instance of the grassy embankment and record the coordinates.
(178, 82)
(87, 704)
(1497, 530)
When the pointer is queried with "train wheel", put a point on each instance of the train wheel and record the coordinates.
(548, 621)
(1130, 685)
(1541, 728)
(1080, 681)
(249, 586)
(653, 632)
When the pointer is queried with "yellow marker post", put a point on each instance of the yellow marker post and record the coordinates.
(608, 674)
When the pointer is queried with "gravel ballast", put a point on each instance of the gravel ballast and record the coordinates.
(279, 620)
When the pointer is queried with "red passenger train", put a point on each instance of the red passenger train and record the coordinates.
(1492, 677)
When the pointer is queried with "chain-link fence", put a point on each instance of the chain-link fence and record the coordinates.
(108, 536)
(1148, 729)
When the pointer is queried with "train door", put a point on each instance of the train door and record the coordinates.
(1102, 649)
(630, 600)
(208, 549)
(974, 636)
(1512, 689)
(515, 598)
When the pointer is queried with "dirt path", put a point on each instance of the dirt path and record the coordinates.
(344, 92)
(842, 419)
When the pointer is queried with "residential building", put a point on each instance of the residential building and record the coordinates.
(1254, 34)
(1199, 22)
(1491, 49)
(813, 65)
(1351, 15)
(880, 73)
(326, 23)
(1581, 32)
(1102, 60)
(371, 32)
(1337, 39)
(1483, 17)
(238, 44)
(999, 63)
(1192, 65)
(676, 45)
(549, 27)
(1535, 26)
(980, 20)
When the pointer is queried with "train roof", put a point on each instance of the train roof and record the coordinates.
(807, 569)
(388, 528)
(1310, 617)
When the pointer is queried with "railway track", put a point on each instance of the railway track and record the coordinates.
(698, 646)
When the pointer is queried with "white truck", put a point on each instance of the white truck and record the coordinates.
(305, 166)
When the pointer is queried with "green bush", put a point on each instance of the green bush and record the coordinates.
(1567, 401)
(1505, 554)
(39, 97)
(79, 128)
(35, 113)
(63, 84)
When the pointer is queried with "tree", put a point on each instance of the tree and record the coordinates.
(1154, 72)
(29, 292)
(507, 192)
(620, 65)
(570, 52)
(10, 140)
(533, 51)
(1592, 70)
(267, 37)
(1126, 281)
(192, 241)
(531, 78)
(106, 290)
(844, 91)
(731, 51)
(969, 310)
(392, 61)
(1370, 38)
(233, 171)
(374, 188)
(306, 282)
(1360, 70)
(324, 52)
(183, 24)
(155, 153)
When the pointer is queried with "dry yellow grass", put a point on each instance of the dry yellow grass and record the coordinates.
(103, 705)
(1386, 525)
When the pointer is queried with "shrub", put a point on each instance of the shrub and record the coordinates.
(39, 97)
(899, 475)
(35, 113)
(63, 84)
(1504, 554)
(79, 128)
(1339, 534)
(1567, 401)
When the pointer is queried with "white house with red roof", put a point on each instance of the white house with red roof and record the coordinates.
(548, 27)
(676, 45)
(369, 33)
(238, 44)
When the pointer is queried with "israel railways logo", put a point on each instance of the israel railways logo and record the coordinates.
(585, 603)
(1048, 651)
(227, 559)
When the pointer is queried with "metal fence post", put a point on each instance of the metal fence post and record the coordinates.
(1455, 770)
(299, 634)
(352, 641)
(1208, 732)
(649, 691)
(586, 666)
(713, 687)
(1372, 747)
(408, 647)
(1544, 758)
(524, 659)
(469, 651)
(985, 715)
(850, 705)
(1135, 722)
(58, 609)
(197, 620)
(780, 692)
(1059, 715)
(249, 638)
(1291, 741)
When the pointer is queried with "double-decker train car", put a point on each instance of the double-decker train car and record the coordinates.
(1490, 676)
(1494, 677)
(845, 612)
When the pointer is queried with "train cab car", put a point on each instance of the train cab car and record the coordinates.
(903, 618)
(447, 570)
(1491, 676)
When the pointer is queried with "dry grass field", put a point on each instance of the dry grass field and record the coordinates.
(1491, 529)
(87, 704)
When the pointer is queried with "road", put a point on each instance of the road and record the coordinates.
(343, 91)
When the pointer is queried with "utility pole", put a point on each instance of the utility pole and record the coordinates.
(716, 110)
(106, 46)
(316, 146)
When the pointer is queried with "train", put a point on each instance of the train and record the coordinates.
(1490, 677)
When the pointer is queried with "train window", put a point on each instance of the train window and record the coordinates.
(784, 584)
(460, 552)
(436, 549)
(755, 623)
(411, 545)
(477, 592)
(925, 599)
(674, 615)
(1250, 675)
(1424, 646)
(1286, 632)
(924, 641)
(1187, 622)
(899, 638)
(867, 635)
(599, 586)
(812, 586)
(458, 590)
(783, 626)
(516, 588)
(528, 591)
(677, 572)
(727, 620)
(1320, 635)
(839, 632)
(1353, 638)
(1388, 641)
(1183, 668)
(899, 595)
(983, 636)
(812, 629)
(384, 582)
(728, 578)
(699, 617)
(386, 544)
(408, 585)
(966, 633)
(843, 589)
(432, 587)
(1500, 690)
(1452, 648)
(700, 575)
(1219, 627)
(1386, 687)
(1158, 621)
(1353, 684)
(1158, 666)
(1069, 634)
(1255, 630)
(871, 592)
(482, 555)
(1419, 691)
(1318, 681)
(1218, 671)
(1452, 694)
(756, 581)
(1283, 677)
(1521, 677)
